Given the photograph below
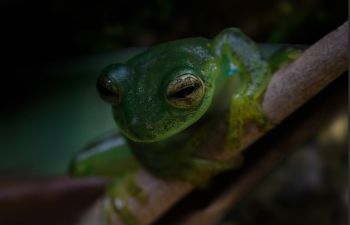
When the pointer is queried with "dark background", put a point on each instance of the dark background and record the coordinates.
(50, 30)
(35, 33)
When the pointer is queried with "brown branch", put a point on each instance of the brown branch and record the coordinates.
(322, 63)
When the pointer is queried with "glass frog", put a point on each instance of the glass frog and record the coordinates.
(166, 101)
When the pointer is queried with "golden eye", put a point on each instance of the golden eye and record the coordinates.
(107, 90)
(185, 91)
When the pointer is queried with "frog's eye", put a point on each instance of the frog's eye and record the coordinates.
(185, 91)
(108, 90)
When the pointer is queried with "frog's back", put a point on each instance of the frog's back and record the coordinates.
(184, 52)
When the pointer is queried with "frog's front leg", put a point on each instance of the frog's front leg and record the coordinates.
(243, 109)
(253, 71)
(108, 156)
(111, 157)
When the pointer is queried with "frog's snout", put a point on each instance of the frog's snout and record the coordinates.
(141, 132)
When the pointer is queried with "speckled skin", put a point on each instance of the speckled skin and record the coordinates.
(162, 136)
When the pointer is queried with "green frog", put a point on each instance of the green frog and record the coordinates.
(167, 101)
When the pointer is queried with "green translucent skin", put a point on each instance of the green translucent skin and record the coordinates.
(163, 137)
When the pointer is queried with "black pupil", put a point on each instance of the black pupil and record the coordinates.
(105, 88)
(184, 92)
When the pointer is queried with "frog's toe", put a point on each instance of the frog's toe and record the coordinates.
(233, 140)
(114, 209)
(263, 123)
(259, 117)
(116, 200)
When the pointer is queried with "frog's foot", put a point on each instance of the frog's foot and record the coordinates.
(116, 199)
(199, 171)
(244, 109)
(258, 115)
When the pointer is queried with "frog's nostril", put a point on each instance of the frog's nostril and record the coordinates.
(141, 132)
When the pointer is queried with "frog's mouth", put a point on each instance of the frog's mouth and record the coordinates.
(146, 138)
(145, 134)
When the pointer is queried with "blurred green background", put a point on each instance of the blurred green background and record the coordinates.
(54, 51)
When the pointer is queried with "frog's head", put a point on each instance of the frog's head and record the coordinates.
(161, 91)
